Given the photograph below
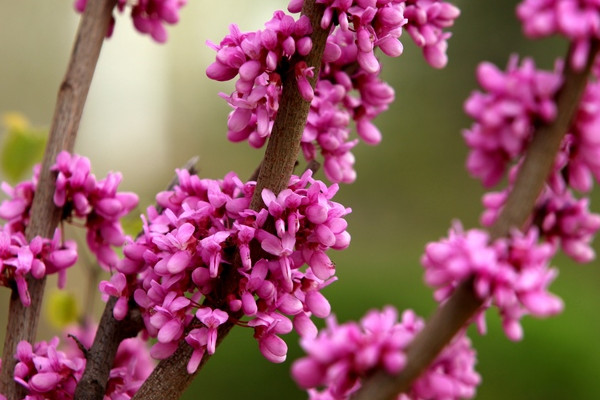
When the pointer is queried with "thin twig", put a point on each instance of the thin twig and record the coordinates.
(463, 304)
(100, 357)
(170, 378)
(22, 321)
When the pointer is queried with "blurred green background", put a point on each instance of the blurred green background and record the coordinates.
(151, 108)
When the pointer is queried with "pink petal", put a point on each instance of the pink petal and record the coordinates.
(179, 261)
(273, 348)
(44, 381)
(170, 331)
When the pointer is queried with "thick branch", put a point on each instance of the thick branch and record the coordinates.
(170, 378)
(458, 310)
(44, 217)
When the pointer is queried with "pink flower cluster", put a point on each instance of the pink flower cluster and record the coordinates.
(40, 257)
(51, 374)
(349, 67)
(15, 209)
(341, 355)
(511, 273)
(81, 196)
(257, 58)
(505, 116)
(560, 217)
(205, 231)
(426, 21)
(46, 372)
(335, 104)
(95, 201)
(149, 16)
(516, 102)
(577, 20)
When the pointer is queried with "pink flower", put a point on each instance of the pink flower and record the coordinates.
(170, 317)
(149, 16)
(43, 370)
(426, 21)
(211, 319)
(505, 116)
(198, 339)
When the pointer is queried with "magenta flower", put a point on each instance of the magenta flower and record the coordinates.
(117, 287)
(211, 319)
(211, 251)
(198, 339)
(177, 248)
(426, 21)
(266, 329)
(43, 370)
(170, 317)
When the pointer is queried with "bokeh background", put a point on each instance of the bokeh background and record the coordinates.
(151, 108)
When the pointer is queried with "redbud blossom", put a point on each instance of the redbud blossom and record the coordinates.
(184, 249)
(344, 354)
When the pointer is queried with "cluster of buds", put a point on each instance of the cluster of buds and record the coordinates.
(511, 273)
(81, 196)
(349, 67)
(48, 372)
(204, 235)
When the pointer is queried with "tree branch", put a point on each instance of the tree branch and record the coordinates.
(463, 304)
(44, 217)
(170, 378)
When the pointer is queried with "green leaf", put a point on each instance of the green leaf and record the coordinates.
(22, 146)
(61, 309)
(132, 224)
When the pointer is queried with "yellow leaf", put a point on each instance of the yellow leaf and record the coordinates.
(15, 121)
(61, 309)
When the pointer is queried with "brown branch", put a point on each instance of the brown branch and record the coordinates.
(22, 321)
(463, 304)
(170, 378)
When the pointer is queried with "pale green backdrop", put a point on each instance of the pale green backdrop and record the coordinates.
(151, 108)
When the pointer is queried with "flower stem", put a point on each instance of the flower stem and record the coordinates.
(44, 216)
(452, 316)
